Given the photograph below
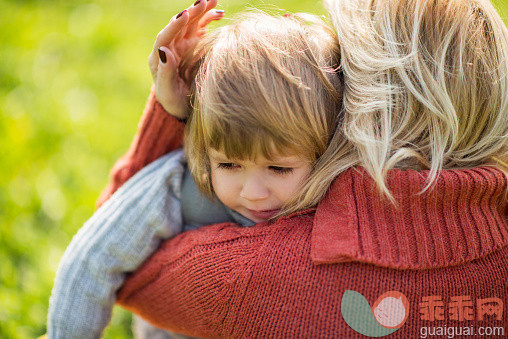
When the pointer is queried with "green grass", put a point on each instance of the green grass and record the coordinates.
(73, 83)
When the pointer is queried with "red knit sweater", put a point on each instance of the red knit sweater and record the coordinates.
(287, 279)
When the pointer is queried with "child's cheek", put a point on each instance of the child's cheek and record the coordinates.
(224, 187)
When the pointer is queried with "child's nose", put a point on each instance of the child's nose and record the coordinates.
(254, 188)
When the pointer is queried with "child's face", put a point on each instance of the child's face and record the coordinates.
(257, 189)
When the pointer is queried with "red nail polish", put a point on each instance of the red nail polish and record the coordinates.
(162, 55)
(180, 14)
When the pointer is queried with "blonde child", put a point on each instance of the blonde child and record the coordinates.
(426, 101)
(266, 99)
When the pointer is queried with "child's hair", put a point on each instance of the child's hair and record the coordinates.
(263, 84)
(426, 87)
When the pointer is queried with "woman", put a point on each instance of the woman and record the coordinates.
(413, 189)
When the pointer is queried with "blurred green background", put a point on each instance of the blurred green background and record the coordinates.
(73, 83)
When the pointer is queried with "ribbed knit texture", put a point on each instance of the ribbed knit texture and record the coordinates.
(270, 281)
(462, 218)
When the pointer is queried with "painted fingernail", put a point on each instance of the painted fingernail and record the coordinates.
(162, 55)
(197, 2)
(218, 11)
(181, 13)
(287, 15)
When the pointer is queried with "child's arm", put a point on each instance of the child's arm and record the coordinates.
(116, 240)
(158, 133)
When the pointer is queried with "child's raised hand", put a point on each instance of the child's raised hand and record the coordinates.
(172, 43)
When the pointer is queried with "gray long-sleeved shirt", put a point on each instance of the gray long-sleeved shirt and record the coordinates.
(158, 202)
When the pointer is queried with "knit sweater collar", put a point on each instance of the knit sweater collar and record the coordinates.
(462, 218)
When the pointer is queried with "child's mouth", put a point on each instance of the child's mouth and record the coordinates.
(265, 215)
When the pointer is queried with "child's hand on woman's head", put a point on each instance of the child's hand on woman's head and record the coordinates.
(172, 43)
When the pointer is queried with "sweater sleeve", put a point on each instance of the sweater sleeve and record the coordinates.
(189, 284)
(158, 133)
(122, 234)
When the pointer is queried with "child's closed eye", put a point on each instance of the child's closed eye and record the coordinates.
(227, 165)
(274, 169)
(281, 170)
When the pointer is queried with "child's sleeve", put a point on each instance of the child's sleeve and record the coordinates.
(120, 236)
(158, 133)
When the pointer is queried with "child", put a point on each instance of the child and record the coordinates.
(266, 103)
(426, 88)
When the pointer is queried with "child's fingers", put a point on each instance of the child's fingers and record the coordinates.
(215, 14)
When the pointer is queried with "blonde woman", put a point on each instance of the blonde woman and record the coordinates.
(404, 213)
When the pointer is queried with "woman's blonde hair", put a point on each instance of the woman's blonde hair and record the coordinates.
(263, 84)
(426, 87)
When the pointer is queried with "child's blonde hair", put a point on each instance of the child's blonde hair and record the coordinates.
(263, 84)
(426, 87)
